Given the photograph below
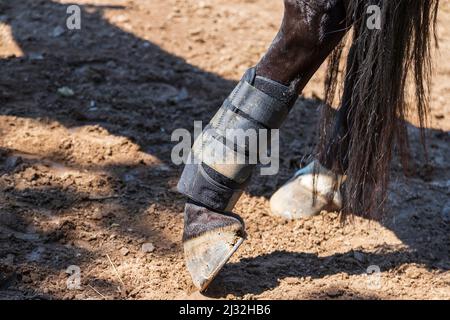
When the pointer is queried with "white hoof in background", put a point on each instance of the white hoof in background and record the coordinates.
(294, 200)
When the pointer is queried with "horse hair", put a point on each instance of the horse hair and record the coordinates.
(381, 65)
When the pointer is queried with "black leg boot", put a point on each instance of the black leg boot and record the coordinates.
(211, 233)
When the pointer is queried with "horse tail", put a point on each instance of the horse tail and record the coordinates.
(382, 64)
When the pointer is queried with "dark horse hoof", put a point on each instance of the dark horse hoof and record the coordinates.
(209, 240)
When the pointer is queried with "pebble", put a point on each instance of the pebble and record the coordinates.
(147, 247)
(66, 92)
(333, 293)
(124, 251)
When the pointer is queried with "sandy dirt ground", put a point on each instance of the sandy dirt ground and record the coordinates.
(86, 179)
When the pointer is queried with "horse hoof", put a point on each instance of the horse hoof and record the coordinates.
(209, 240)
(295, 200)
(206, 255)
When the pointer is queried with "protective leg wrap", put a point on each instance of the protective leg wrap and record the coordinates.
(219, 165)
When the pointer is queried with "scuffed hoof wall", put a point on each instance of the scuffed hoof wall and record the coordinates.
(207, 253)
(295, 200)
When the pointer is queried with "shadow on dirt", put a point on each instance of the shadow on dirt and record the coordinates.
(265, 272)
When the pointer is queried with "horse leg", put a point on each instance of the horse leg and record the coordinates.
(335, 155)
(295, 199)
(309, 32)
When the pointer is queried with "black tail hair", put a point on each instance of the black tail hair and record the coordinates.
(381, 64)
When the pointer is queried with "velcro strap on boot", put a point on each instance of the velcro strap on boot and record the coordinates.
(223, 157)
(258, 106)
(197, 184)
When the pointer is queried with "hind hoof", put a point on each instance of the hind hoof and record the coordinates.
(294, 200)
